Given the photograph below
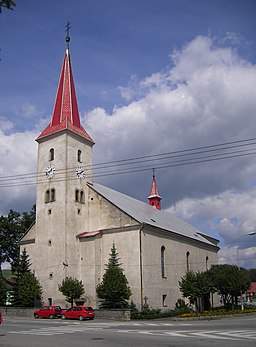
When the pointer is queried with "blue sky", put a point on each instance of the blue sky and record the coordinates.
(151, 76)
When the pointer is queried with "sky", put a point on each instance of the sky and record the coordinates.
(169, 81)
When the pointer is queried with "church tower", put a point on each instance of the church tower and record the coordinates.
(154, 199)
(64, 167)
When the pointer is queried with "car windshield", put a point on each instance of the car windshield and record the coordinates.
(88, 308)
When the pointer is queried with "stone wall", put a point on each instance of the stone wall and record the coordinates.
(100, 314)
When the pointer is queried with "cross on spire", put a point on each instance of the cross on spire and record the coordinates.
(68, 26)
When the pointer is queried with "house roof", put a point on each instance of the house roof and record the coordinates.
(65, 114)
(252, 288)
(146, 214)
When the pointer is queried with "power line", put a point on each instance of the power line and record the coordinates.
(196, 155)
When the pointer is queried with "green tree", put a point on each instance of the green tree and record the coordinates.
(196, 286)
(3, 292)
(229, 281)
(22, 267)
(252, 275)
(7, 3)
(10, 233)
(12, 228)
(113, 291)
(29, 290)
(71, 288)
(23, 264)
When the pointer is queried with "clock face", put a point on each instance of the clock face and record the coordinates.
(80, 172)
(50, 171)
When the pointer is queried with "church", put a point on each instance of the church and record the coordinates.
(78, 220)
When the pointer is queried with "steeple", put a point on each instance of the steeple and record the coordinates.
(65, 113)
(154, 199)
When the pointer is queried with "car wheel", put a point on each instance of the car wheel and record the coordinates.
(81, 318)
(51, 316)
(63, 316)
(36, 316)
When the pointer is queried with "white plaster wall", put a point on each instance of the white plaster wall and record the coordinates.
(58, 222)
(175, 264)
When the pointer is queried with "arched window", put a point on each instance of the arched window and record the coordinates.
(50, 195)
(163, 262)
(206, 262)
(187, 259)
(77, 195)
(51, 154)
(79, 156)
(53, 195)
(82, 196)
(47, 196)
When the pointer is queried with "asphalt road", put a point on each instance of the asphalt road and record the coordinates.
(30, 332)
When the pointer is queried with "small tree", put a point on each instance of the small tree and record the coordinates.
(29, 290)
(113, 291)
(196, 286)
(71, 288)
(22, 267)
(229, 281)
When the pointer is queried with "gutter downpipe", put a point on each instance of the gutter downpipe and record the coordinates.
(141, 268)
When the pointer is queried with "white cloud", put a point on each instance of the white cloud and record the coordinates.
(18, 157)
(28, 110)
(5, 124)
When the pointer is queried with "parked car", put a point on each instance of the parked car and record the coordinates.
(48, 312)
(1, 318)
(79, 312)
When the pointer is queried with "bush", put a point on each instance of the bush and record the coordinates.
(155, 313)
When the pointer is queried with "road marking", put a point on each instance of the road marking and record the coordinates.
(212, 334)
(56, 330)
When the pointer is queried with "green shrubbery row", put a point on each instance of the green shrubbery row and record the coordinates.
(150, 313)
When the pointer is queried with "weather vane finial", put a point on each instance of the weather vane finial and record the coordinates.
(67, 31)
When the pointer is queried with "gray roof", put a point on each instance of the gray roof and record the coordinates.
(144, 213)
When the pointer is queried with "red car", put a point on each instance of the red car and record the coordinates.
(78, 312)
(1, 318)
(48, 312)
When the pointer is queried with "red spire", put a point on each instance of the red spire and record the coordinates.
(65, 114)
(154, 198)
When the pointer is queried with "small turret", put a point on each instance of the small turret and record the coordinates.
(154, 199)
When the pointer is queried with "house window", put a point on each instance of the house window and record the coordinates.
(82, 196)
(187, 259)
(163, 262)
(47, 196)
(51, 154)
(53, 195)
(79, 196)
(206, 262)
(50, 196)
(79, 156)
(164, 300)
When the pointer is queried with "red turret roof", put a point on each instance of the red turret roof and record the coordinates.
(154, 198)
(65, 114)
